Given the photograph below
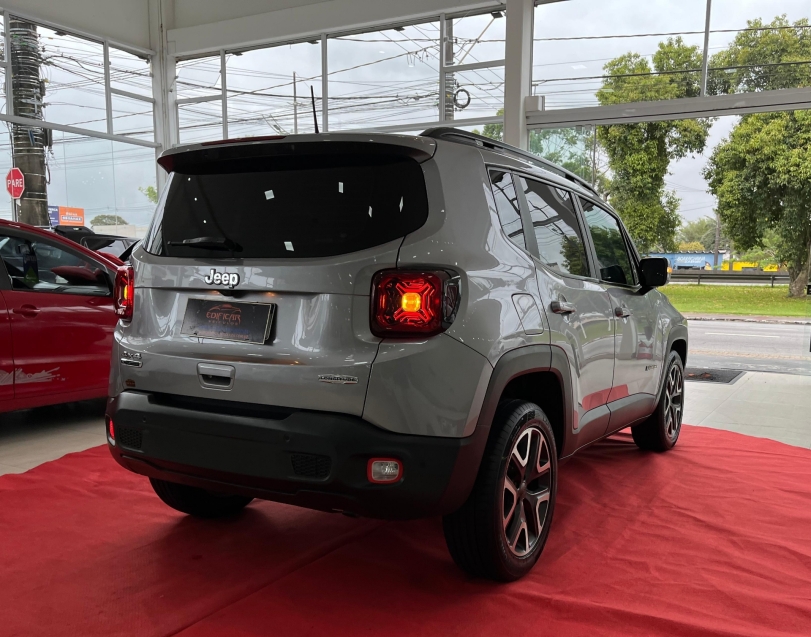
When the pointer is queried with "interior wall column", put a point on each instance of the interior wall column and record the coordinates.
(517, 70)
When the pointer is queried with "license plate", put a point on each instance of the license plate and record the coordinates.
(228, 321)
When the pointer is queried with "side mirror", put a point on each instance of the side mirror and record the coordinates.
(653, 272)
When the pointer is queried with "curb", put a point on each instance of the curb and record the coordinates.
(780, 320)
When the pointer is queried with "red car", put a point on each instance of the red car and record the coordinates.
(56, 318)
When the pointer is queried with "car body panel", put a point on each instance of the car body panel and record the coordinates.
(60, 342)
(6, 353)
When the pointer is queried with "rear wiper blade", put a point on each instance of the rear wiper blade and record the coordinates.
(209, 243)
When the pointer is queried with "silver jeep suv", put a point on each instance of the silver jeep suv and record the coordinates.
(387, 326)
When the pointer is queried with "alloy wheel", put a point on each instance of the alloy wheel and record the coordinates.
(526, 491)
(674, 394)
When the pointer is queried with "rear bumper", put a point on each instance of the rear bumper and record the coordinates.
(306, 458)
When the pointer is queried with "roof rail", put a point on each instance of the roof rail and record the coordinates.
(455, 134)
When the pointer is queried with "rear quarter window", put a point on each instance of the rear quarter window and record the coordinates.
(290, 208)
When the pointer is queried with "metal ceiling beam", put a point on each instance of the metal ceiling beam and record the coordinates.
(664, 110)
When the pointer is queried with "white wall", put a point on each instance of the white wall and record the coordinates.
(302, 19)
(122, 21)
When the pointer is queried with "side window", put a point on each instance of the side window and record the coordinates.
(554, 221)
(41, 266)
(612, 252)
(509, 212)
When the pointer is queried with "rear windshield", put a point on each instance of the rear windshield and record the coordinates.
(290, 208)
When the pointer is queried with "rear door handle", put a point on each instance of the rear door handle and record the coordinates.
(562, 307)
(216, 376)
(622, 312)
(28, 311)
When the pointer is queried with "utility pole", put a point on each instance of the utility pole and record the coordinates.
(717, 238)
(295, 106)
(28, 142)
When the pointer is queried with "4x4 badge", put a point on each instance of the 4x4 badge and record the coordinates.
(222, 278)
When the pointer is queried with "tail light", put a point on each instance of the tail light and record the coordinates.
(124, 292)
(412, 303)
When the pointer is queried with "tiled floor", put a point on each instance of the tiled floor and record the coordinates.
(29, 438)
(776, 406)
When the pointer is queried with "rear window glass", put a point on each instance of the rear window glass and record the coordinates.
(292, 208)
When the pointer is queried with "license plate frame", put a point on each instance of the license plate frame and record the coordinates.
(233, 321)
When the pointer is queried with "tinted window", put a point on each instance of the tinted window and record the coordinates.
(560, 239)
(290, 207)
(41, 266)
(609, 245)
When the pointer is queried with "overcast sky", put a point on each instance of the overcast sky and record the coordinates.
(382, 78)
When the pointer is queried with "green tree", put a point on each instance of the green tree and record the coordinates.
(763, 60)
(700, 230)
(108, 220)
(761, 176)
(151, 193)
(639, 155)
(691, 246)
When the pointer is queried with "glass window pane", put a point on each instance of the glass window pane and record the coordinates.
(612, 254)
(560, 240)
(200, 122)
(110, 183)
(72, 71)
(199, 77)
(260, 89)
(42, 266)
(132, 117)
(388, 77)
(509, 212)
(476, 38)
(587, 53)
(130, 72)
(476, 93)
(760, 46)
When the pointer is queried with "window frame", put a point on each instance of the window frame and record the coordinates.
(7, 284)
(630, 248)
(522, 211)
(578, 212)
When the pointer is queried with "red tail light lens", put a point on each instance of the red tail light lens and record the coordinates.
(407, 303)
(124, 292)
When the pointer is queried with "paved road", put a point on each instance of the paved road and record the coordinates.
(764, 347)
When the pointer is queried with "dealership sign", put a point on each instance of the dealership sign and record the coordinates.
(15, 183)
(71, 216)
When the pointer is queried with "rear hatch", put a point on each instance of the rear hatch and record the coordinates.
(253, 284)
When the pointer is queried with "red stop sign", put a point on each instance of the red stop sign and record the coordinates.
(15, 183)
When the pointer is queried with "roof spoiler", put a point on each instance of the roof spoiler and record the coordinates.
(464, 137)
(304, 148)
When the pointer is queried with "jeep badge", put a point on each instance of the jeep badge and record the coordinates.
(222, 278)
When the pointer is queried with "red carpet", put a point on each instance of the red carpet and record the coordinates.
(713, 538)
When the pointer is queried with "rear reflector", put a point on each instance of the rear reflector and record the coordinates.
(110, 431)
(412, 303)
(384, 470)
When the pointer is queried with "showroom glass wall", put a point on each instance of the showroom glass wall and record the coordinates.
(97, 144)
(389, 78)
(588, 53)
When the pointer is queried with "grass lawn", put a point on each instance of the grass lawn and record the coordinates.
(736, 299)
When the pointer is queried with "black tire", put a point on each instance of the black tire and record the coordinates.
(198, 502)
(660, 431)
(478, 534)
